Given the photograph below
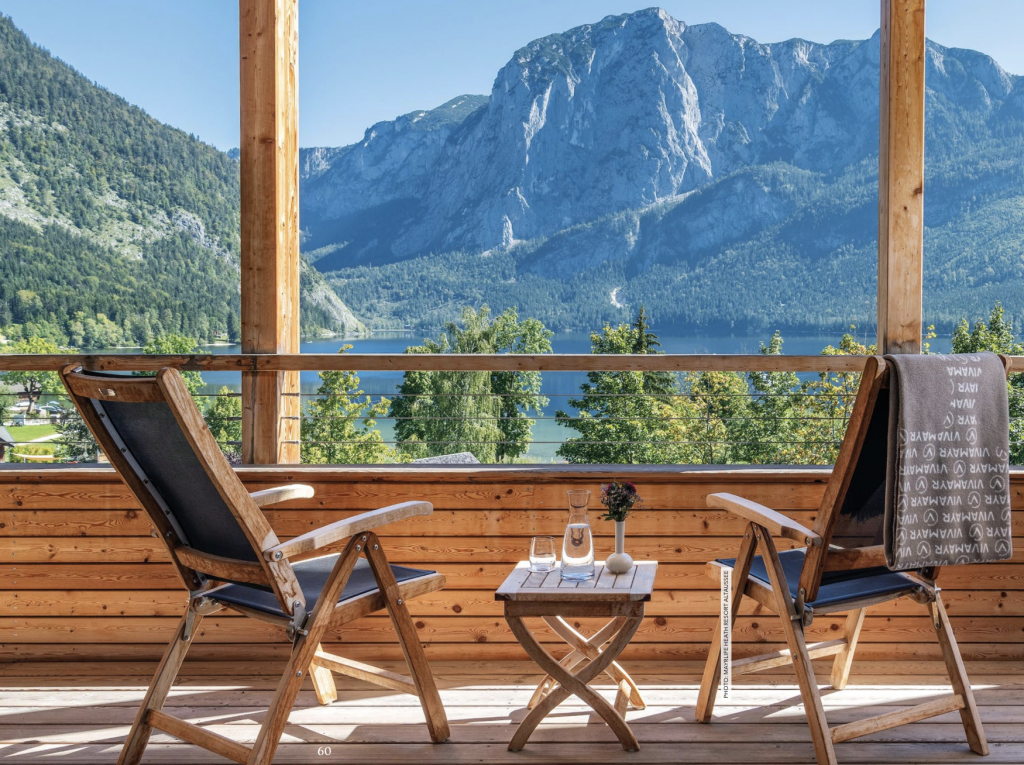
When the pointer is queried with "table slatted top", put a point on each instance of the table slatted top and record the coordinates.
(635, 585)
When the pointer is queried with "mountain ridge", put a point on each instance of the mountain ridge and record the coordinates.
(615, 149)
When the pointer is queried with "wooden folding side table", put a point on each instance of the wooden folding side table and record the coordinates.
(620, 597)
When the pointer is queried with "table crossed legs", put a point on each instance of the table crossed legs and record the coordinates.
(589, 649)
(561, 682)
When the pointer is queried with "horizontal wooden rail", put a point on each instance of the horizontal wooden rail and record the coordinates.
(126, 362)
(436, 362)
(402, 362)
(567, 362)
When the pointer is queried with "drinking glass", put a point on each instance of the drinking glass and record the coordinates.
(578, 546)
(542, 554)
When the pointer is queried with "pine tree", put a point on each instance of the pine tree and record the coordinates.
(339, 426)
(627, 417)
(770, 433)
(997, 336)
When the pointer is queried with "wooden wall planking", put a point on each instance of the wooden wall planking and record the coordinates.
(81, 577)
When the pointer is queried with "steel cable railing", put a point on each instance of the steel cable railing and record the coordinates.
(796, 426)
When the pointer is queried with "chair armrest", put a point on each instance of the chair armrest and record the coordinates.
(265, 497)
(349, 527)
(777, 524)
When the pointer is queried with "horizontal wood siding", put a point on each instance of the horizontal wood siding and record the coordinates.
(81, 576)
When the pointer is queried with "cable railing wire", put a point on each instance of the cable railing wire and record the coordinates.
(706, 421)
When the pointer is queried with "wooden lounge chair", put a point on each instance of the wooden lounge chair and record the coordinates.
(840, 568)
(227, 556)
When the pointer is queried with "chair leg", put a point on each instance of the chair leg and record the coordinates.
(844, 659)
(813, 708)
(958, 677)
(281, 706)
(430, 700)
(713, 666)
(301, 659)
(323, 682)
(138, 736)
(792, 625)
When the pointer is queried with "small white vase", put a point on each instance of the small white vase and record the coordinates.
(619, 562)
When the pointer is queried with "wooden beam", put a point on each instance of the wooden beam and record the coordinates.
(433, 362)
(365, 672)
(901, 176)
(784, 657)
(569, 362)
(207, 739)
(424, 362)
(895, 719)
(269, 166)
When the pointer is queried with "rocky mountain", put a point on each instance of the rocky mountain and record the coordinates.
(113, 226)
(716, 179)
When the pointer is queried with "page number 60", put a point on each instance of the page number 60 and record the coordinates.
(323, 750)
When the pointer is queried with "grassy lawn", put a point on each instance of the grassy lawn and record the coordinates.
(30, 432)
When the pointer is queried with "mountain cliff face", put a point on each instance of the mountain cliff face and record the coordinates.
(640, 159)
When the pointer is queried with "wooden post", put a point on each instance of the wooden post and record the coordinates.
(269, 40)
(901, 177)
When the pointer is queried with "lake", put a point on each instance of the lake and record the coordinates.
(558, 387)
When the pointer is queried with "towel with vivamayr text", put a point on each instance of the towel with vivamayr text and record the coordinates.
(947, 478)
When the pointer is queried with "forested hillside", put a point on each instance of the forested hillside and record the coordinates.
(112, 225)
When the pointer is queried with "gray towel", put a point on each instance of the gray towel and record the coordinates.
(947, 476)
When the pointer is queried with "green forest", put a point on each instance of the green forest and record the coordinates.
(812, 269)
(117, 228)
(57, 284)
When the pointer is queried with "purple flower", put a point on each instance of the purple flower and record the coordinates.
(620, 499)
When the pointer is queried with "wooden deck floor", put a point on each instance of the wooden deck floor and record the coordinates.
(80, 713)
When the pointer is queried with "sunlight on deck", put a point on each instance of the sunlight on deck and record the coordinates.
(80, 713)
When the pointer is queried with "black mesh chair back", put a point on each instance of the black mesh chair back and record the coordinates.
(160, 455)
(156, 438)
(862, 513)
(852, 511)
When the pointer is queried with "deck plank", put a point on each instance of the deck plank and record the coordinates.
(46, 717)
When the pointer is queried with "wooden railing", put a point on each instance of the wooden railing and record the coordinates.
(457, 362)
(56, 525)
(286, 409)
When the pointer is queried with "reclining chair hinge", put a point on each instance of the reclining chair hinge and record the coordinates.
(297, 626)
(198, 604)
(190, 621)
(803, 612)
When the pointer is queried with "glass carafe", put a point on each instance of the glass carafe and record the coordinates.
(578, 547)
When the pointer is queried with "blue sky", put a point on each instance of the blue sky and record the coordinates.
(362, 62)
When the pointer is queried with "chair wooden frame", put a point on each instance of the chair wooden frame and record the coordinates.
(763, 526)
(202, 574)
